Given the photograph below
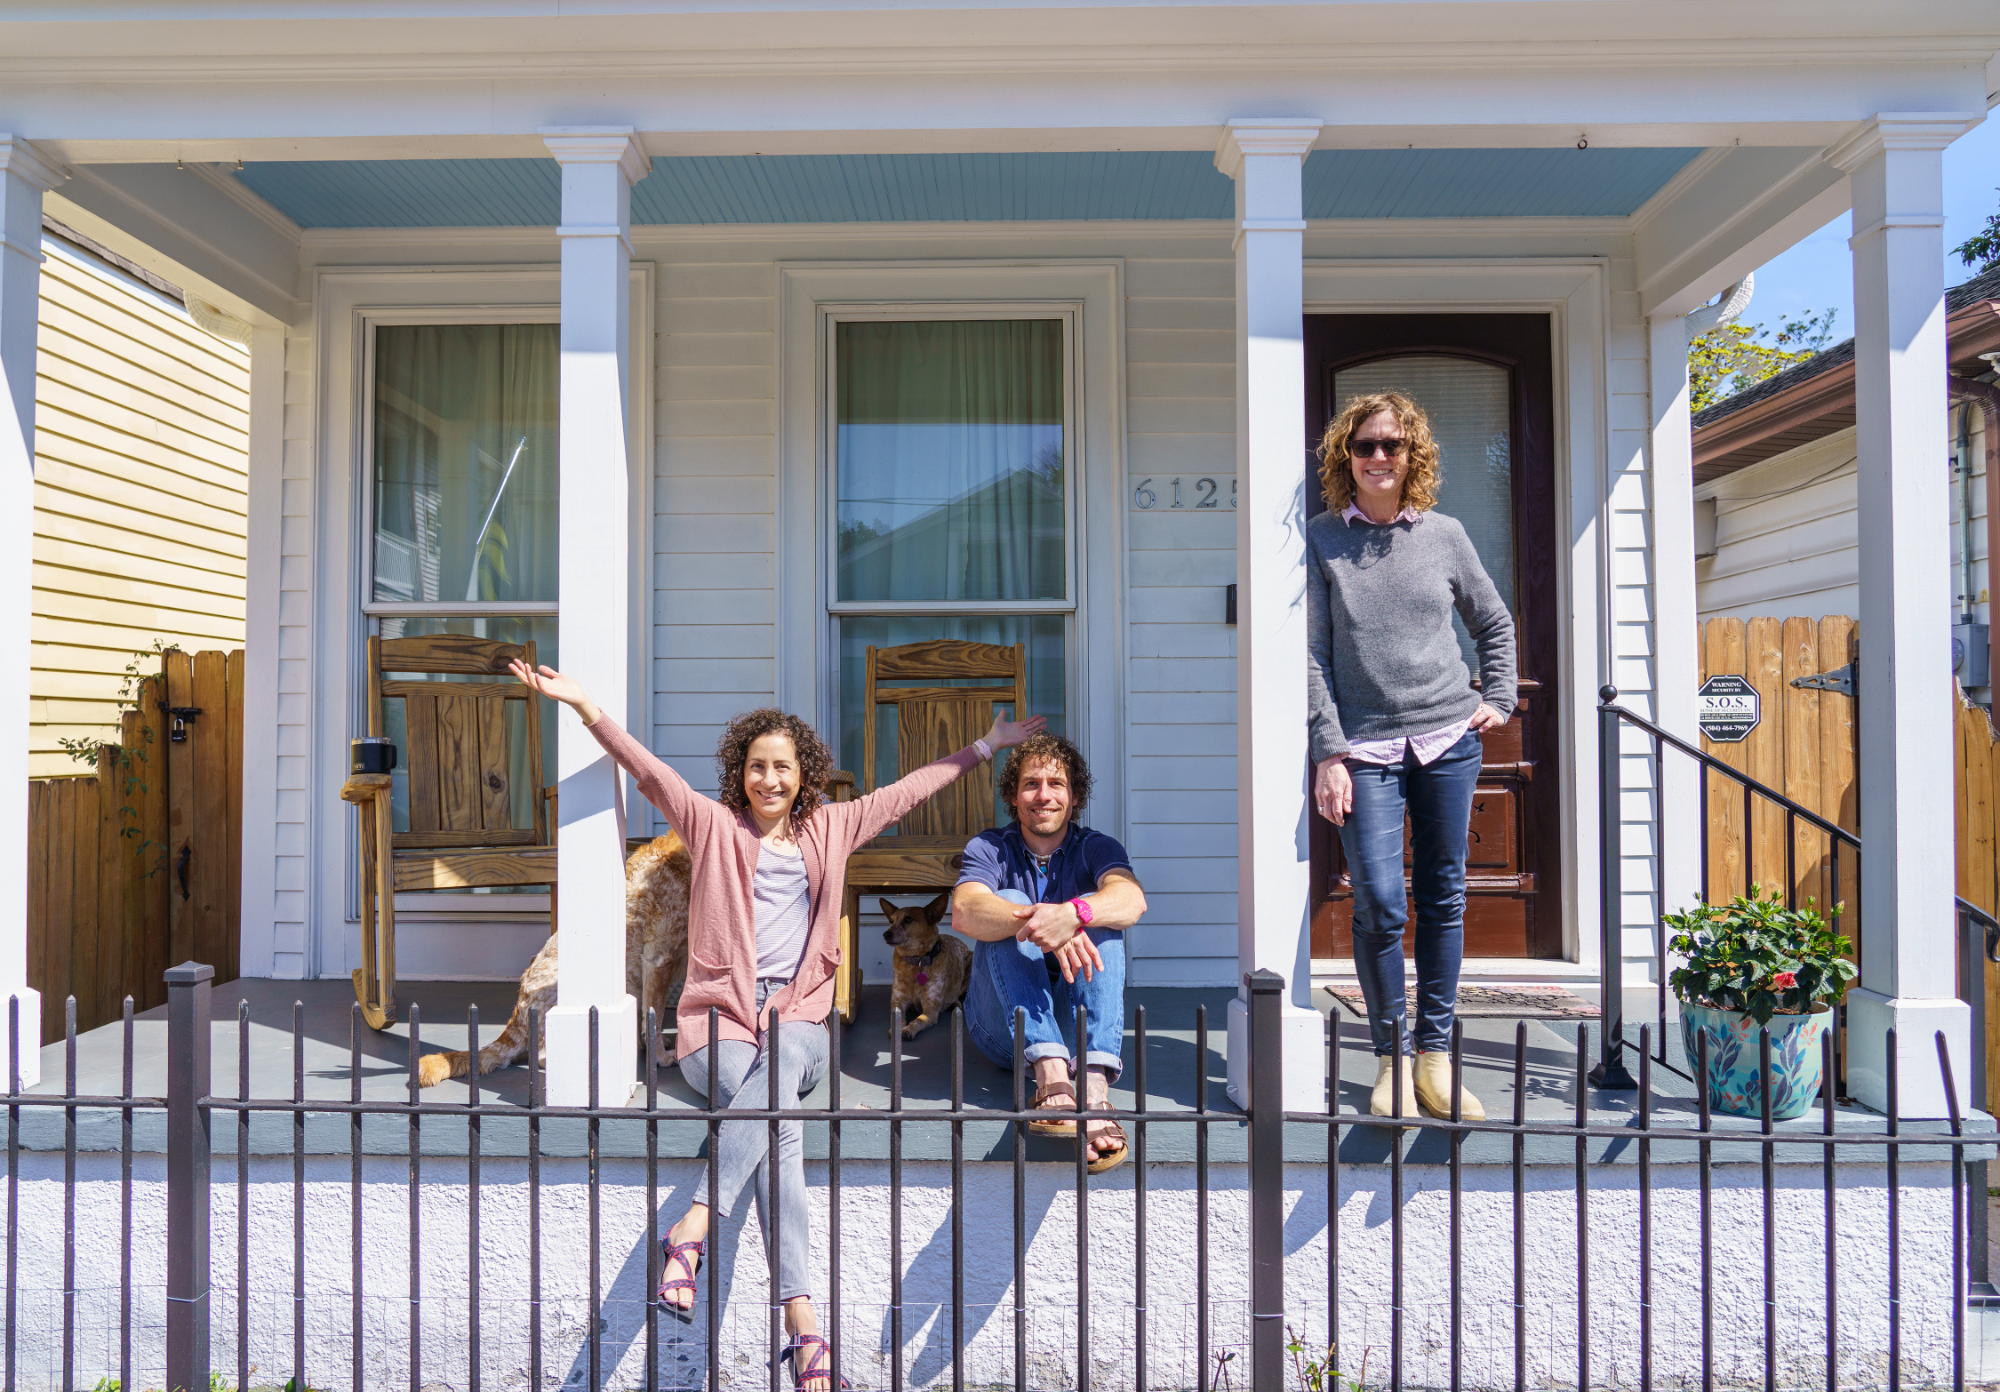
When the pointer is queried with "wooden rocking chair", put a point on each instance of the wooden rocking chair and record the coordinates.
(458, 755)
(932, 721)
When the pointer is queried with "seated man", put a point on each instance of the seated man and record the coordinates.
(1047, 902)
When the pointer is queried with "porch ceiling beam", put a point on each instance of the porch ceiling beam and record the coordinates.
(1734, 210)
(195, 226)
(880, 101)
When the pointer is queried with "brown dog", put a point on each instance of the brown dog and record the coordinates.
(656, 935)
(932, 968)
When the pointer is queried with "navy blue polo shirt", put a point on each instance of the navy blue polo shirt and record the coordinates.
(999, 859)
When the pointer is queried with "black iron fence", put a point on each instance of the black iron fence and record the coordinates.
(1263, 1312)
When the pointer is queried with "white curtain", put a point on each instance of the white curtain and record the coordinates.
(465, 461)
(950, 459)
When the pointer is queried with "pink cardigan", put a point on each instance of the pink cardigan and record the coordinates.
(722, 926)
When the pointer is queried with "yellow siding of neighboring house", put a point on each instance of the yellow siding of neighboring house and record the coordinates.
(141, 433)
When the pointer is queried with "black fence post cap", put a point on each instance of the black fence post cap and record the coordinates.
(1607, 694)
(1263, 980)
(190, 974)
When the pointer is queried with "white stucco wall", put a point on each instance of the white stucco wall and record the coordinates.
(1366, 1233)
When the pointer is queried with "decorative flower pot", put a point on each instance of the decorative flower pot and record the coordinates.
(1733, 1084)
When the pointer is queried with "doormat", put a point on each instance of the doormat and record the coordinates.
(1490, 1002)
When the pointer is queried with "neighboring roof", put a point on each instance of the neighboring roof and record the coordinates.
(1813, 399)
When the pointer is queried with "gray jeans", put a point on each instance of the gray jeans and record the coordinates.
(743, 1080)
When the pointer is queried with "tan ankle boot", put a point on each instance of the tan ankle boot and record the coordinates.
(1382, 1102)
(1433, 1084)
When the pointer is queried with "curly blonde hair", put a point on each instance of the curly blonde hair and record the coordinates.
(1336, 473)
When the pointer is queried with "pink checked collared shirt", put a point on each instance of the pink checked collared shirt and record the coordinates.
(1425, 748)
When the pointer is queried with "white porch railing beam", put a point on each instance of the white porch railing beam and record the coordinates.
(599, 167)
(25, 175)
(1895, 168)
(1266, 158)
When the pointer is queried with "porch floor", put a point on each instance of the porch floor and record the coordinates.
(324, 1057)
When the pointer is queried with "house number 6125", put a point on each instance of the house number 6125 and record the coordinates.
(1205, 491)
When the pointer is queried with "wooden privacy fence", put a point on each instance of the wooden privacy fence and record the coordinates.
(139, 865)
(1804, 746)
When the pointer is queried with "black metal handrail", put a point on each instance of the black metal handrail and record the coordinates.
(1610, 1071)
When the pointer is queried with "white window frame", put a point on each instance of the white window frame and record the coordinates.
(349, 301)
(1086, 292)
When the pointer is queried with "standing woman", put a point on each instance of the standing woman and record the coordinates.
(1395, 723)
(769, 872)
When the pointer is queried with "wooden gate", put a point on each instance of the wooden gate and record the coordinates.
(1804, 746)
(138, 866)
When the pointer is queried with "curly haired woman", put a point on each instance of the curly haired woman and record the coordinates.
(770, 868)
(1395, 723)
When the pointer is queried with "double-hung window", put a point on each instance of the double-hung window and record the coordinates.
(462, 499)
(953, 502)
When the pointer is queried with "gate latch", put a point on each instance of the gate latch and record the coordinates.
(1840, 680)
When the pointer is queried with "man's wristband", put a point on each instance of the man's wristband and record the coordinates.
(1082, 907)
(983, 749)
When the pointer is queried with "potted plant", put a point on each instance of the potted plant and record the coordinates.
(1750, 964)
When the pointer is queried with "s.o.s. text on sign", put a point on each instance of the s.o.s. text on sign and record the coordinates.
(1727, 709)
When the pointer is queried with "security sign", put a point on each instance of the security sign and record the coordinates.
(1728, 709)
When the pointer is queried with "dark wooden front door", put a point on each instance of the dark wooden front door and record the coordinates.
(1485, 382)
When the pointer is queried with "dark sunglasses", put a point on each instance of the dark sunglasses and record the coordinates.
(1388, 449)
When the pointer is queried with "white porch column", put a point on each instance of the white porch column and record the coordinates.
(599, 167)
(1895, 170)
(25, 175)
(1676, 632)
(1266, 158)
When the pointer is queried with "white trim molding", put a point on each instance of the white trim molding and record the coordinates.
(1575, 293)
(1093, 290)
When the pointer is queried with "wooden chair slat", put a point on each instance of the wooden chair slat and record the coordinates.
(992, 695)
(943, 659)
(458, 766)
(416, 871)
(485, 691)
(421, 748)
(456, 840)
(449, 652)
(496, 811)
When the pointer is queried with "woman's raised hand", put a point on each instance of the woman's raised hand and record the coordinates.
(557, 687)
(1005, 734)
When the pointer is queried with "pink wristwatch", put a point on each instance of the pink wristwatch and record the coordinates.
(1082, 907)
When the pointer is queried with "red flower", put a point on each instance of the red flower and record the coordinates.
(1784, 981)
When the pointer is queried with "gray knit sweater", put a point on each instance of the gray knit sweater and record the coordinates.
(1385, 662)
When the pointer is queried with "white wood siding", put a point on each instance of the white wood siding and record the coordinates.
(290, 877)
(142, 427)
(715, 495)
(1180, 334)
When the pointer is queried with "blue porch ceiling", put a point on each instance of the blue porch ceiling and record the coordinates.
(1137, 184)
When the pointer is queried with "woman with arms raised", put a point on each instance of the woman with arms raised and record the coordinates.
(769, 872)
(1394, 722)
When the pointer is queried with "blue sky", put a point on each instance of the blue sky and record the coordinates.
(1817, 273)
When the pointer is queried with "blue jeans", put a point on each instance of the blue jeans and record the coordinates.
(1011, 973)
(1438, 798)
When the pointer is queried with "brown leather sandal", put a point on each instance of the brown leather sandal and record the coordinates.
(1102, 1160)
(1044, 1093)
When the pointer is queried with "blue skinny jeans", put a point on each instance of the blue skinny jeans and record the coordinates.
(1012, 973)
(1438, 798)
